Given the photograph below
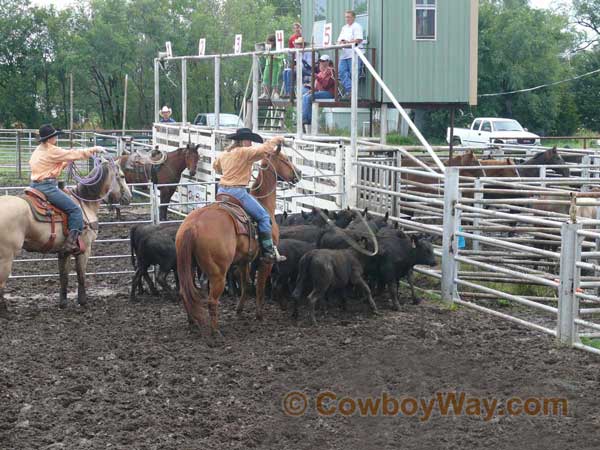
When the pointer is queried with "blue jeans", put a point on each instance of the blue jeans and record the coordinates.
(62, 201)
(287, 81)
(345, 71)
(251, 206)
(307, 99)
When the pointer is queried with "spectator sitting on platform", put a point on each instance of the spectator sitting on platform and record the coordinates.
(165, 114)
(352, 33)
(288, 74)
(324, 88)
(272, 73)
(297, 34)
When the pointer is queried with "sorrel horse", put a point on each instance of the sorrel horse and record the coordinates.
(433, 185)
(207, 238)
(549, 157)
(168, 172)
(21, 231)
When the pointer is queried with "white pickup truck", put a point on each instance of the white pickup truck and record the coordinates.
(493, 130)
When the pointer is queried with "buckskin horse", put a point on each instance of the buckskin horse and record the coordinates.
(168, 172)
(21, 229)
(209, 238)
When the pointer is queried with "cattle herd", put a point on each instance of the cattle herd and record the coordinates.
(331, 255)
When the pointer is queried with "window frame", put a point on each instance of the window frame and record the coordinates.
(489, 123)
(433, 8)
(365, 28)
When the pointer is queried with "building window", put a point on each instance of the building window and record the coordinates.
(320, 10)
(425, 19)
(361, 8)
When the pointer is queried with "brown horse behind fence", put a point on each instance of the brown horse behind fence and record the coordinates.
(207, 239)
(168, 172)
(420, 183)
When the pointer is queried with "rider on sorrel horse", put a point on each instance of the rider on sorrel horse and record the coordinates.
(209, 236)
(235, 165)
(47, 162)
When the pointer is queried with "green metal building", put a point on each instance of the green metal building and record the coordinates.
(425, 50)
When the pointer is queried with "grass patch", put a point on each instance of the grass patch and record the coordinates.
(592, 342)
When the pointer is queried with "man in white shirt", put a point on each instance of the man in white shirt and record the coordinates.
(352, 32)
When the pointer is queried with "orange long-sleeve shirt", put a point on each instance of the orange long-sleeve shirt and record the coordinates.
(48, 161)
(236, 165)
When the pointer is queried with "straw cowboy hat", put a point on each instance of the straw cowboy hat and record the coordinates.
(166, 109)
(46, 132)
(245, 134)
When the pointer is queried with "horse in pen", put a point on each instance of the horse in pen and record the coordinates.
(26, 227)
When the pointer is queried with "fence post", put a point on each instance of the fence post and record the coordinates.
(255, 81)
(314, 126)
(156, 203)
(340, 181)
(449, 238)
(568, 303)
(477, 220)
(19, 156)
(585, 172)
(543, 175)
(383, 124)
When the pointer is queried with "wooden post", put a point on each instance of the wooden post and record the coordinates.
(125, 104)
(451, 148)
(19, 168)
(71, 108)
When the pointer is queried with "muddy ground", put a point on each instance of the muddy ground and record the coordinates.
(132, 376)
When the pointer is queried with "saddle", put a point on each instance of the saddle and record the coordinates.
(43, 211)
(244, 225)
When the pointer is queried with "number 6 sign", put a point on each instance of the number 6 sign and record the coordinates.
(327, 34)
(237, 48)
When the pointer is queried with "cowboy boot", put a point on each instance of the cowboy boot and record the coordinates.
(269, 251)
(71, 245)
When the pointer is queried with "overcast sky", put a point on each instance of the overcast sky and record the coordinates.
(63, 3)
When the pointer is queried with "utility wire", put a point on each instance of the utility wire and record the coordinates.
(542, 86)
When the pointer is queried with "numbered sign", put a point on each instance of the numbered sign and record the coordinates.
(237, 47)
(169, 49)
(327, 34)
(201, 47)
(279, 42)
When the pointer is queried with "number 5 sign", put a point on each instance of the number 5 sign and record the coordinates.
(327, 34)
(279, 40)
(237, 47)
(201, 47)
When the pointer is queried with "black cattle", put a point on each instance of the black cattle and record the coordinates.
(397, 256)
(152, 245)
(284, 274)
(325, 270)
(306, 233)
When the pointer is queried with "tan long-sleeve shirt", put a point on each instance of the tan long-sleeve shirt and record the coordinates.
(48, 161)
(236, 165)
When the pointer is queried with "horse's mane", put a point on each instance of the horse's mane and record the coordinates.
(93, 191)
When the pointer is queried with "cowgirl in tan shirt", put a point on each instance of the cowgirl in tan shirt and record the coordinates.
(47, 163)
(235, 165)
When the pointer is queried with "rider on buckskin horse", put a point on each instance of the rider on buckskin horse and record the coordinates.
(47, 163)
(235, 165)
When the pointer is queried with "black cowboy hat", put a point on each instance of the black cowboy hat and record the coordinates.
(47, 131)
(243, 134)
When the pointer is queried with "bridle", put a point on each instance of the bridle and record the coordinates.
(271, 166)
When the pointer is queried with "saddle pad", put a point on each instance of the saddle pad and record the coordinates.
(42, 210)
(242, 222)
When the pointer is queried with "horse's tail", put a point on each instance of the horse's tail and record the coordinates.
(185, 269)
(303, 274)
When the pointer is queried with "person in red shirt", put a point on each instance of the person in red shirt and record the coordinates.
(324, 88)
(297, 33)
